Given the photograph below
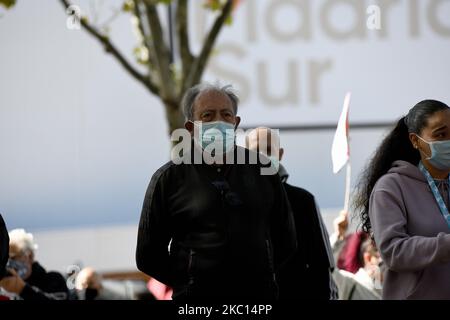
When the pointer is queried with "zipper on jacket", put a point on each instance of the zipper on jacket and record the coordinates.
(269, 256)
(190, 271)
(273, 280)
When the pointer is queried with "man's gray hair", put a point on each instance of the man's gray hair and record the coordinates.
(191, 94)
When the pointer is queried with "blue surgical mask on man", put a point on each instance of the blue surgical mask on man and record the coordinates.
(440, 154)
(275, 162)
(218, 133)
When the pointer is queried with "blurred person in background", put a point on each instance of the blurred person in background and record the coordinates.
(28, 280)
(4, 247)
(340, 235)
(308, 273)
(159, 290)
(218, 230)
(90, 285)
(404, 201)
(365, 282)
(358, 272)
(346, 245)
(4, 254)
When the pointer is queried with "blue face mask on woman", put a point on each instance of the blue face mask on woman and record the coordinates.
(440, 154)
(217, 134)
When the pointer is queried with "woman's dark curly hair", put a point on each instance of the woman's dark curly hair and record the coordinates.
(395, 146)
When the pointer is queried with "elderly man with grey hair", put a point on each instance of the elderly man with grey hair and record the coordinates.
(218, 230)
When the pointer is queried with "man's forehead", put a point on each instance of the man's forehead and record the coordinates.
(212, 99)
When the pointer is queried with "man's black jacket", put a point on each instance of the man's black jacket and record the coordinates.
(229, 229)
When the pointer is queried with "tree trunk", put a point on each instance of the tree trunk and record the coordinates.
(174, 115)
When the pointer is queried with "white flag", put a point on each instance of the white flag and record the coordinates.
(340, 151)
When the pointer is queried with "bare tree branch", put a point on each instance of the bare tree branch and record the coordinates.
(183, 37)
(110, 48)
(114, 16)
(161, 50)
(146, 37)
(200, 62)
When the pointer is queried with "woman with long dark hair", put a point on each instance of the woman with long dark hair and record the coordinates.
(403, 202)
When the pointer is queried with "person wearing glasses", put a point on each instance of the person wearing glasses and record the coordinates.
(308, 273)
(215, 230)
(403, 202)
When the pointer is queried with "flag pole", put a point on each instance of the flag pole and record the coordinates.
(347, 186)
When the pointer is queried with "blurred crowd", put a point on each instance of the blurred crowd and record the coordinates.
(24, 278)
(358, 273)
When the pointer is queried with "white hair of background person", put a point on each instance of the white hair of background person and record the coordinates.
(23, 240)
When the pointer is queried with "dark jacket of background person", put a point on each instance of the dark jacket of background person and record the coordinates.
(4, 247)
(308, 272)
(43, 285)
(218, 250)
(411, 234)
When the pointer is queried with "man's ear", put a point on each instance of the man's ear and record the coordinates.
(189, 125)
(280, 154)
(238, 120)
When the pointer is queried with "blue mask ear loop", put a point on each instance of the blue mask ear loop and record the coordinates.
(429, 144)
(437, 196)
